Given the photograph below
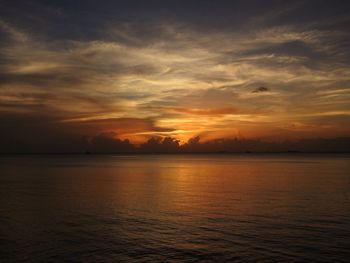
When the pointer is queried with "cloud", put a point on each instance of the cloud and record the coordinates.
(260, 89)
(133, 70)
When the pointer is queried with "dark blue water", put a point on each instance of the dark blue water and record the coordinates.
(170, 208)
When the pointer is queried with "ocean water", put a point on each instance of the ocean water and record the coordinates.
(175, 208)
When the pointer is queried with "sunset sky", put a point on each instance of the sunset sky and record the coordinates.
(137, 69)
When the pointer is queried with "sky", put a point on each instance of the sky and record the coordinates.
(269, 70)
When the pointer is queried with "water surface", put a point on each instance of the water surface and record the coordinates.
(175, 208)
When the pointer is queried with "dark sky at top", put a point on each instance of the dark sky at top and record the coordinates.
(86, 19)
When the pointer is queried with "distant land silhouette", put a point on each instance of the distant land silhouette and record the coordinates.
(107, 144)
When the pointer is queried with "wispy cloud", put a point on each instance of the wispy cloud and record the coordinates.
(177, 77)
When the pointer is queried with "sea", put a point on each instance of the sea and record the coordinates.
(175, 208)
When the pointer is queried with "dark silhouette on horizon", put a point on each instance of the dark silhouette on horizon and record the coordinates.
(105, 143)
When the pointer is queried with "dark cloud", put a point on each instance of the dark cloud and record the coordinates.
(160, 145)
(108, 143)
(47, 132)
(260, 89)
